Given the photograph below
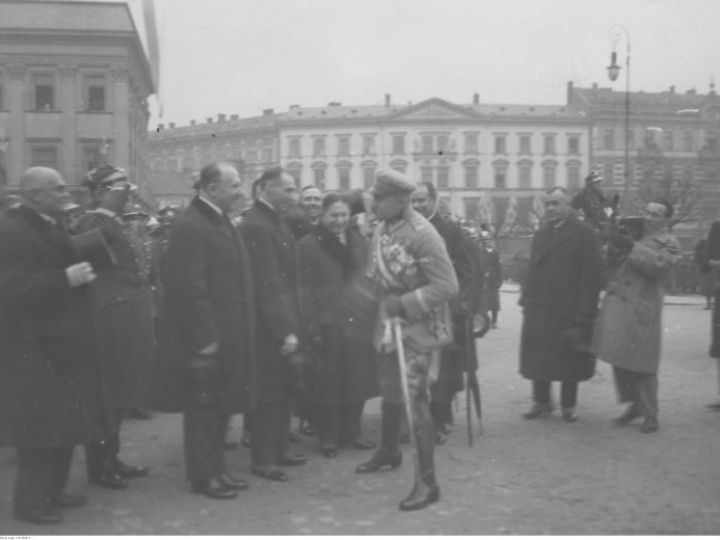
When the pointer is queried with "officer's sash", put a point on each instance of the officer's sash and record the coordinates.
(431, 332)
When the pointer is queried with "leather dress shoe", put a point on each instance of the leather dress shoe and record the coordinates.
(379, 461)
(238, 484)
(40, 517)
(362, 444)
(538, 411)
(66, 500)
(273, 474)
(291, 460)
(419, 499)
(628, 416)
(328, 452)
(650, 425)
(109, 479)
(124, 470)
(213, 489)
(569, 414)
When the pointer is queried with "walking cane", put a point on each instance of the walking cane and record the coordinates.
(472, 387)
(397, 331)
(468, 410)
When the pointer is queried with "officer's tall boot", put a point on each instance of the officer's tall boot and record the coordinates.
(426, 490)
(389, 454)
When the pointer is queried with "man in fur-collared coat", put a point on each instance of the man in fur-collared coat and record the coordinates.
(629, 329)
(559, 302)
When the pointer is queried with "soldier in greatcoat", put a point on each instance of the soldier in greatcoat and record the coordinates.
(123, 310)
(51, 396)
(629, 329)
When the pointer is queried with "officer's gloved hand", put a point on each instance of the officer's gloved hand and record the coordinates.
(394, 306)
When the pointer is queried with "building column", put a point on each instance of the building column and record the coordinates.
(15, 160)
(67, 103)
(119, 153)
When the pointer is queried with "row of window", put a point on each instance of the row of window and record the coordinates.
(441, 176)
(46, 154)
(660, 139)
(614, 172)
(433, 144)
(43, 95)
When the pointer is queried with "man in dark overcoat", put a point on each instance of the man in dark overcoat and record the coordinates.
(50, 385)
(492, 276)
(207, 325)
(274, 258)
(560, 303)
(461, 355)
(123, 311)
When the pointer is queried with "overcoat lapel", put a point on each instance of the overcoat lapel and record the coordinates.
(550, 239)
(47, 232)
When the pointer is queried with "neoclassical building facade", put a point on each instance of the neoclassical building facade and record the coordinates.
(673, 145)
(74, 84)
(489, 162)
(474, 153)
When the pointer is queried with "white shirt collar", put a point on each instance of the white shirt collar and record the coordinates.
(270, 206)
(47, 218)
(211, 204)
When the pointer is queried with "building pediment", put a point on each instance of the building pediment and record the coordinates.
(434, 109)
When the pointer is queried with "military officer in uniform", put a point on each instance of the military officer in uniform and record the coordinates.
(415, 280)
(123, 309)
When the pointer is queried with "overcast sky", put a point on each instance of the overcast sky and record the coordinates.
(242, 56)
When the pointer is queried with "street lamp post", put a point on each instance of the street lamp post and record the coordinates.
(616, 32)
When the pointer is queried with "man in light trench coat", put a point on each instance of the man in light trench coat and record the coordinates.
(629, 328)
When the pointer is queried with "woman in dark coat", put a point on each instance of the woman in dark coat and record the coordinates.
(333, 259)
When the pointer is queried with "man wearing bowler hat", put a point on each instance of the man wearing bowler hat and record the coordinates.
(415, 281)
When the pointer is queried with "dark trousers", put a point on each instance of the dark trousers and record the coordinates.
(640, 389)
(270, 433)
(102, 455)
(339, 423)
(568, 393)
(204, 441)
(42, 476)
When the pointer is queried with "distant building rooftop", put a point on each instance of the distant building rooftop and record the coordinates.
(28, 15)
(335, 112)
